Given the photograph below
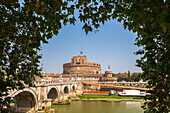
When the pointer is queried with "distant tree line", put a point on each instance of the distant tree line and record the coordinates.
(136, 77)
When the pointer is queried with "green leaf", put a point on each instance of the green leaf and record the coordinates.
(164, 26)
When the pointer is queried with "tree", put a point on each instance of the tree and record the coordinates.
(129, 75)
(119, 79)
(113, 75)
(23, 28)
(136, 77)
(150, 20)
(122, 78)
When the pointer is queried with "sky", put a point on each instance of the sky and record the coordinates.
(112, 45)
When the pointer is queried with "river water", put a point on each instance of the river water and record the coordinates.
(99, 107)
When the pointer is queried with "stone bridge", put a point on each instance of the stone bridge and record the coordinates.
(44, 92)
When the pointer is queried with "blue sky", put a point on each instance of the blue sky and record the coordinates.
(112, 45)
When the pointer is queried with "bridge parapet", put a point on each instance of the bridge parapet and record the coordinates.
(135, 84)
(39, 83)
(114, 85)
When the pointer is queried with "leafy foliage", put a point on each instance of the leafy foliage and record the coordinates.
(113, 75)
(122, 78)
(113, 97)
(150, 20)
(25, 27)
(136, 77)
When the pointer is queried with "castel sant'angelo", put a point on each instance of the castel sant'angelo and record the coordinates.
(80, 69)
(80, 65)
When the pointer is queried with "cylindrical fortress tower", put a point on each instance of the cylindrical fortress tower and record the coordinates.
(108, 74)
(80, 65)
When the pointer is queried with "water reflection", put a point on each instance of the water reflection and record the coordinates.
(99, 107)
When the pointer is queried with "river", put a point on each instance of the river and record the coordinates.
(99, 107)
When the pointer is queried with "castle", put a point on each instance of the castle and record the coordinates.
(80, 65)
(80, 69)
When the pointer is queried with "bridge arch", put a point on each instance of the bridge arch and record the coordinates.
(53, 93)
(25, 100)
(66, 90)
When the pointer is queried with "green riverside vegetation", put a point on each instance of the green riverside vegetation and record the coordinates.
(109, 98)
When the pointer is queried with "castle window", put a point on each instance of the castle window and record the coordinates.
(77, 62)
(93, 64)
(83, 61)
